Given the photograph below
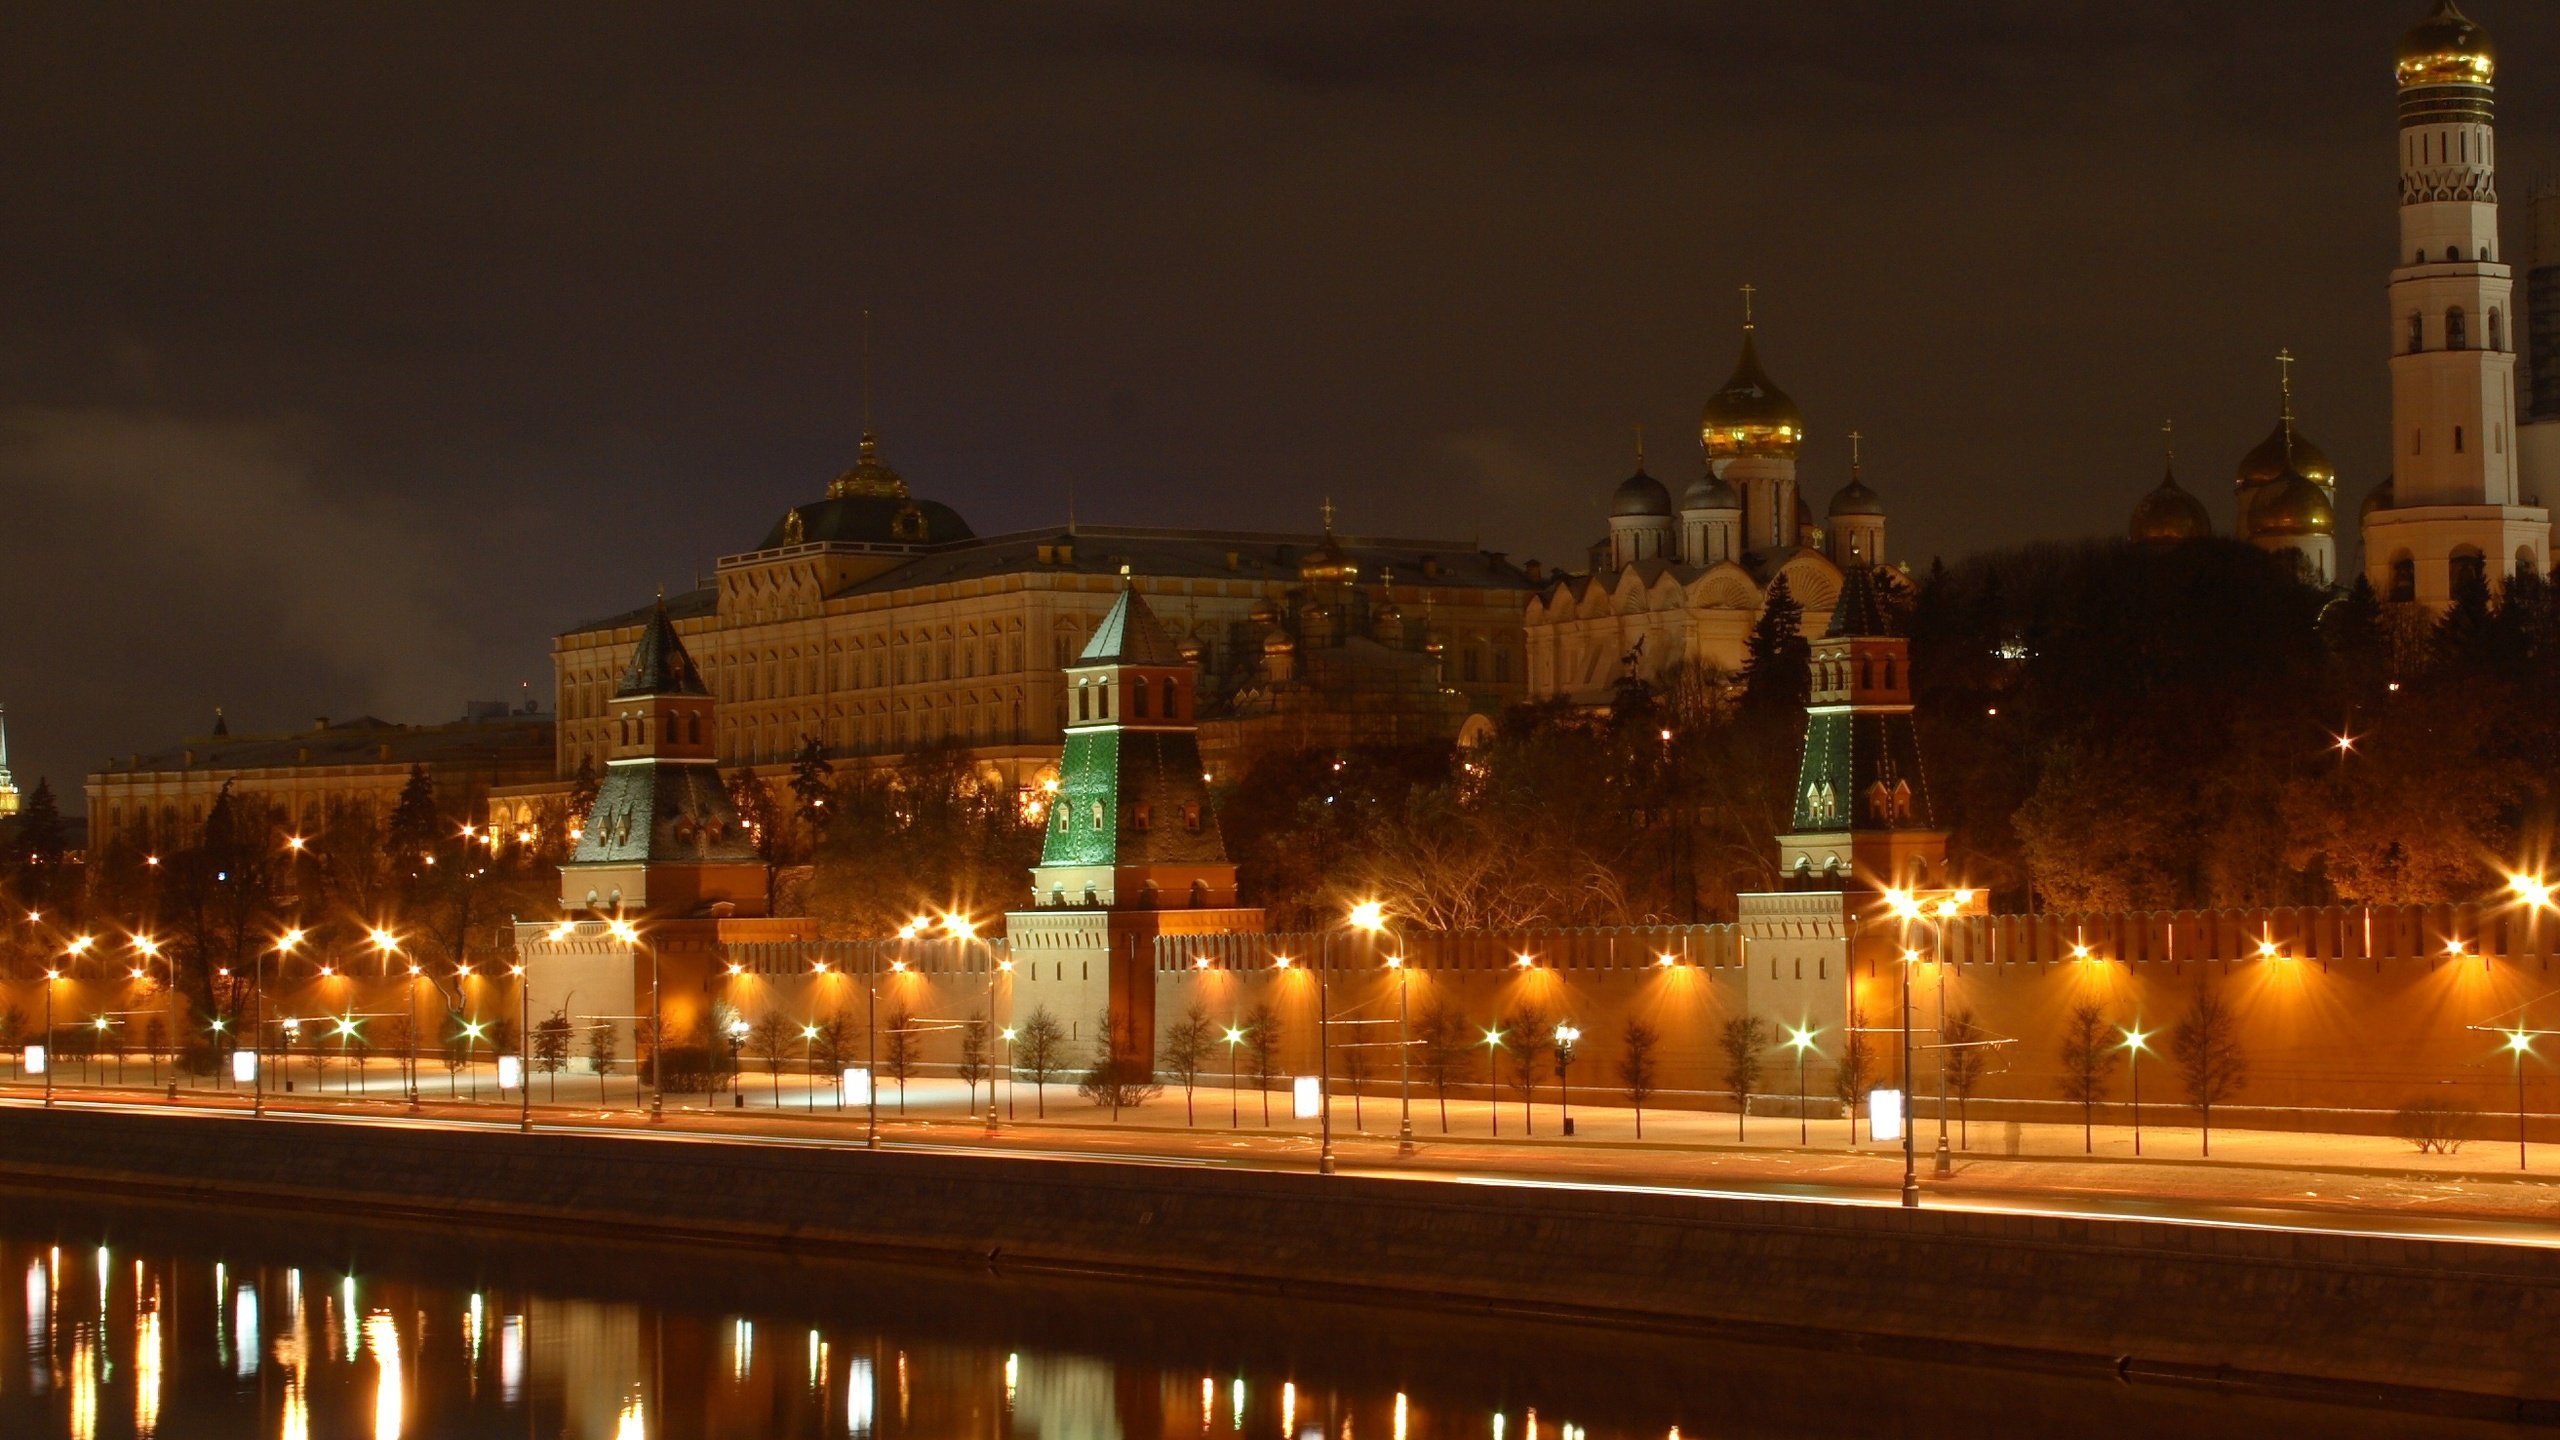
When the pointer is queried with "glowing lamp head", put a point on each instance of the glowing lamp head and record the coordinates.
(80, 944)
(1005, 965)
(899, 966)
(384, 941)
(1800, 1037)
(2521, 1042)
(1524, 962)
(2079, 952)
(622, 930)
(960, 927)
(138, 972)
(2531, 889)
(562, 931)
(146, 945)
(2266, 949)
(1234, 1036)
(1279, 962)
(1369, 915)
(1666, 961)
(1200, 962)
(293, 842)
(2137, 1040)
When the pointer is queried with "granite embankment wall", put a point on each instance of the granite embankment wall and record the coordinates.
(2418, 1323)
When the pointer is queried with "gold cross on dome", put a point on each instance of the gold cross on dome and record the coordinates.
(2168, 438)
(2284, 371)
(1748, 290)
(1328, 514)
(1854, 438)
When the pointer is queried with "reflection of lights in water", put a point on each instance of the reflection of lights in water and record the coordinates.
(1238, 1397)
(1529, 1425)
(244, 1330)
(39, 1338)
(1208, 1401)
(1497, 1427)
(390, 1386)
(1288, 1406)
(902, 1387)
(146, 1374)
(858, 1397)
(511, 1358)
(105, 1273)
(347, 1310)
(817, 1361)
(634, 1421)
(1012, 1378)
(742, 1348)
(471, 1330)
(84, 1385)
(221, 1308)
(1400, 1415)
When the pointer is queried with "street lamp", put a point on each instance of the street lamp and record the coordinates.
(809, 1062)
(1493, 1076)
(2517, 1044)
(624, 931)
(386, 945)
(2135, 1042)
(1800, 1038)
(1371, 915)
(286, 944)
(1235, 1112)
(524, 1046)
(1566, 1037)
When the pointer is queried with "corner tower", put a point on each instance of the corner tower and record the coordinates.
(2457, 508)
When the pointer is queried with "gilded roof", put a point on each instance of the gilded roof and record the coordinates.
(1750, 415)
(2169, 514)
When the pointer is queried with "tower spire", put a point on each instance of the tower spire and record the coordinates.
(2169, 445)
(866, 377)
(1748, 290)
(2284, 385)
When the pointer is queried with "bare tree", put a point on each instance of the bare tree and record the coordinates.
(769, 1039)
(1187, 1045)
(551, 1047)
(1742, 1041)
(1855, 1075)
(1967, 1058)
(906, 1043)
(2205, 1046)
(2088, 1065)
(603, 1042)
(1447, 1056)
(1527, 1036)
(1262, 1032)
(973, 1060)
(832, 1048)
(1037, 1048)
(1636, 1066)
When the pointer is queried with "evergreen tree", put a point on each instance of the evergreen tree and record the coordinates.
(413, 832)
(37, 846)
(812, 784)
(1777, 669)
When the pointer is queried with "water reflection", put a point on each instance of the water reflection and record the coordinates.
(233, 1326)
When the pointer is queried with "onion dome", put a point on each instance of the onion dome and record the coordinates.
(2169, 515)
(1328, 561)
(2377, 498)
(2294, 505)
(2272, 460)
(1856, 499)
(2446, 48)
(1750, 415)
(1710, 492)
(1640, 494)
(870, 475)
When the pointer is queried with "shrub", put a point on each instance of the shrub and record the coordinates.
(2436, 1127)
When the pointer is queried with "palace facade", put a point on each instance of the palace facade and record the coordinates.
(876, 623)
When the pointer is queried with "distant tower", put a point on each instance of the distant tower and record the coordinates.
(1710, 522)
(1752, 433)
(2456, 506)
(1857, 518)
(10, 800)
(2168, 515)
(1863, 816)
(1640, 525)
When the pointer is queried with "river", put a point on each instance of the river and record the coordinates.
(123, 1321)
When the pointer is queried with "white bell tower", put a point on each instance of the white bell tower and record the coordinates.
(2455, 502)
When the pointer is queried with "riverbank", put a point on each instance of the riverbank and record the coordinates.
(2415, 1324)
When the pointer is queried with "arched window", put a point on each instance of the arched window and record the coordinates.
(2453, 252)
(1102, 701)
(1191, 816)
(2497, 330)
(2457, 439)
(2464, 568)
(2417, 332)
(1097, 814)
(1084, 703)
(1888, 672)
(1138, 700)
(2525, 566)
(2457, 329)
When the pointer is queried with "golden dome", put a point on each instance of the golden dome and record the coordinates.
(2169, 515)
(1750, 415)
(2293, 505)
(2271, 462)
(870, 475)
(2446, 48)
(1328, 562)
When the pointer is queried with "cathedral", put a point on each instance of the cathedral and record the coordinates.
(2464, 499)
(1683, 583)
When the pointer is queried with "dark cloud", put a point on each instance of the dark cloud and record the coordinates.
(493, 317)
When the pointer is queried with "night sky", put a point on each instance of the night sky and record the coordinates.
(349, 351)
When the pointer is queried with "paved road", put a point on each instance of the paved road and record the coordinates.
(2458, 1206)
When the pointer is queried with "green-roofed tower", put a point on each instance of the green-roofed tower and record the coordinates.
(1864, 818)
(1132, 849)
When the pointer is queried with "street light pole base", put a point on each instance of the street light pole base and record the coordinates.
(1324, 1165)
(1910, 1194)
(1946, 1163)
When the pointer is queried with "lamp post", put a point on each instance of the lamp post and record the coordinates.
(79, 946)
(628, 934)
(809, 1062)
(386, 945)
(149, 950)
(1235, 1112)
(1801, 1039)
(524, 1050)
(1371, 915)
(286, 944)
(1934, 916)
(2517, 1044)
(1493, 1078)
(1324, 1071)
(2134, 1044)
(1566, 1037)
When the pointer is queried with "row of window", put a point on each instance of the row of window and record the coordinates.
(1140, 815)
